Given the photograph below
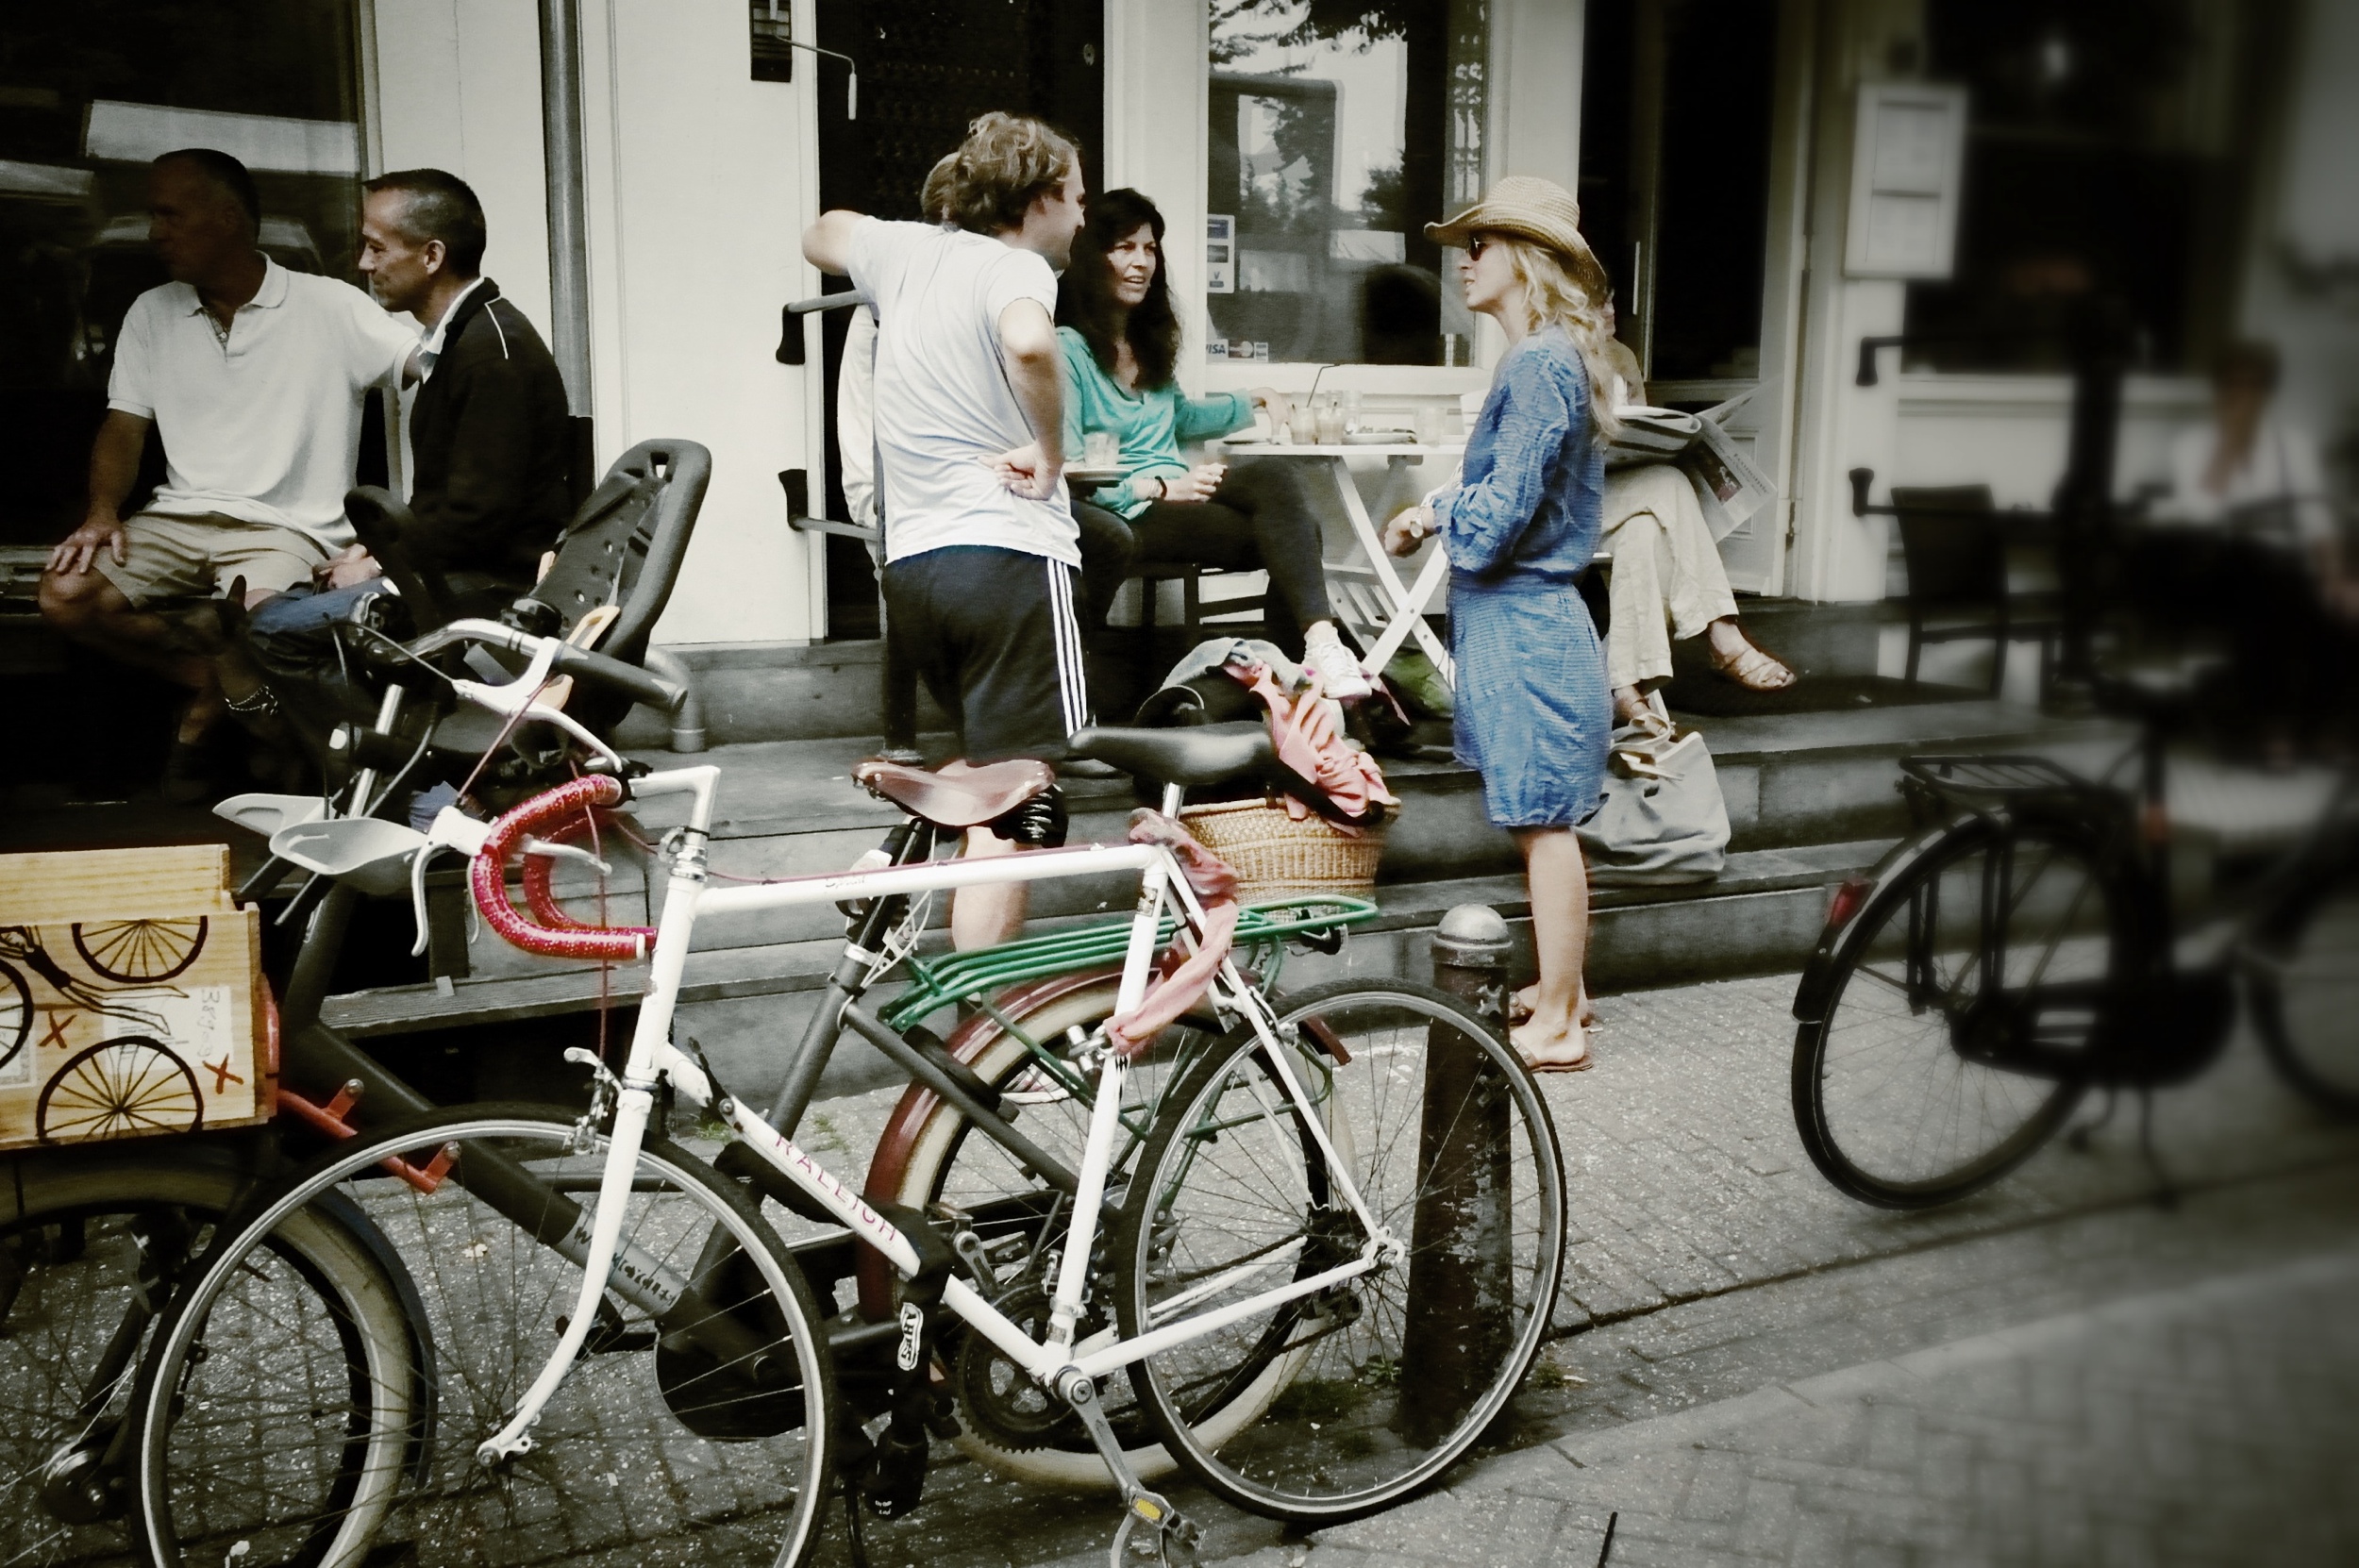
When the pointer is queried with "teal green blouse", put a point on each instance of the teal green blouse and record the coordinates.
(1149, 424)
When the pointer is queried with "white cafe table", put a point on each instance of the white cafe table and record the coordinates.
(1401, 605)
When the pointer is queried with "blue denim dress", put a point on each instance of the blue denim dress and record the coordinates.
(1534, 709)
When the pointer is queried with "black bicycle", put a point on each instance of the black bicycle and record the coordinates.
(2021, 948)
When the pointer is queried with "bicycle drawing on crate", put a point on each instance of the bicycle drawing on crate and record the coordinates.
(105, 1034)
(1300, 1247)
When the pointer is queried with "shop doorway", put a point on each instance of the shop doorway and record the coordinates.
(926, 69)
(1681, 140)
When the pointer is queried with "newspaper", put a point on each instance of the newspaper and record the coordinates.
(1729, 487)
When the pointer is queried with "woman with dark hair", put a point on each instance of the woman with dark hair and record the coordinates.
(1121, 340)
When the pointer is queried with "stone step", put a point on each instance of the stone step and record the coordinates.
(757, 691)
(745, 1004)
(790, 808)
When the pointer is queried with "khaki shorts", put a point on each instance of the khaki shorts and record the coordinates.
(187, 557)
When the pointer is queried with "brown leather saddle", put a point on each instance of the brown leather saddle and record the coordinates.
(960, 795)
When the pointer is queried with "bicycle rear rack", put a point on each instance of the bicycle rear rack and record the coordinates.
(1989, 782)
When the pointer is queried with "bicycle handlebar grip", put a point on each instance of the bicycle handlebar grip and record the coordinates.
(487, 878)
(637, 683)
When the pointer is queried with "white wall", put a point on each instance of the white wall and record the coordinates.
(2009, 432)
(1156, 131)
(459, 88)
(698, 183)
(2302, 267)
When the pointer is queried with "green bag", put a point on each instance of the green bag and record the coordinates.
(1419, 685)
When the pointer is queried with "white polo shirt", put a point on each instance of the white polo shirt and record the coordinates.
(266, 427)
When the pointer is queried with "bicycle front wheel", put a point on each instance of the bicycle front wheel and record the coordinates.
(1362, 1392)
(695, 1422)
(1962, 1005)
(2303, 979)
(95, 1244)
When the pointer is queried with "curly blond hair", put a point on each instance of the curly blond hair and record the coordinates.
(1006, 160)
(1554, 299)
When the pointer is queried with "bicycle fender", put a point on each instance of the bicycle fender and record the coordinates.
(418, 1461)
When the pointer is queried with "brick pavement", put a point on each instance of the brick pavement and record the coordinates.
(2211, 1422)
(1710, 1260)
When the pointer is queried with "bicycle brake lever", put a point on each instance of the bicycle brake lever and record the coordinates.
(452, 830)
(565, 852)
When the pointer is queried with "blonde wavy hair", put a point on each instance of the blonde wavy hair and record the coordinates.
(1554, 299)
(1006, 160)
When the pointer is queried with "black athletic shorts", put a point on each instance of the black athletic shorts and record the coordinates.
(993, 634)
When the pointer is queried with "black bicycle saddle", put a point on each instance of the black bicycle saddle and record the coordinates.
(1197, 755)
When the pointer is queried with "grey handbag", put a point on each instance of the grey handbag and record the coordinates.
(1661, 821)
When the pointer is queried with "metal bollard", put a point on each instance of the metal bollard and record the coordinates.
(1457, 1329)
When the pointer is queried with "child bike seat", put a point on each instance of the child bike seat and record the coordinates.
(960, 795)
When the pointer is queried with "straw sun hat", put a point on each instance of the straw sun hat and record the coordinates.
(1530, 208)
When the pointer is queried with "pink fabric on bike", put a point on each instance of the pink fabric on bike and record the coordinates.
(1184, 985)
(1302, 729)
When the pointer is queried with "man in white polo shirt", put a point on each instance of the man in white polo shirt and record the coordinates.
(253, 378)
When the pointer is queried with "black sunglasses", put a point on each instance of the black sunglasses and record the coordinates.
(1476, 244)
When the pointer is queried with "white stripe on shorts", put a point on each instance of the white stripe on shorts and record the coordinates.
(1072, 678)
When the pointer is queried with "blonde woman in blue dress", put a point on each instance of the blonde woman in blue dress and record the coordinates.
(1535, 712)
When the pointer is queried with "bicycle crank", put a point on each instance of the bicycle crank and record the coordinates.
(1173, 1531)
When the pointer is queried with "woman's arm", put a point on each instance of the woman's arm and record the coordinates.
(1202, 418)
(1542, 414)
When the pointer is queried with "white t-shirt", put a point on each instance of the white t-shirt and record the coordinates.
(2282, 466)
(943, 403)
(265, 428)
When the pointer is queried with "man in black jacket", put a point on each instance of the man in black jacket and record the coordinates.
(488, 433)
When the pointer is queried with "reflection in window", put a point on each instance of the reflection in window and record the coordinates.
(2106, 146)
(89, 92)
(1339, 130)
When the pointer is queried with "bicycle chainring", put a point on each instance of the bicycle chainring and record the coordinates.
(998, 1402)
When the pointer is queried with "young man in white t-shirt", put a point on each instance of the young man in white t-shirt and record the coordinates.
(254, 376)
(981, 563)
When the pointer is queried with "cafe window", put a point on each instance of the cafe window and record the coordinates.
(2109, 143)
(1339, 128)
(89, 94)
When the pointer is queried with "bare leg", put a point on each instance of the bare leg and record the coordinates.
(980, 917)
(87, 608)
(1559, 887)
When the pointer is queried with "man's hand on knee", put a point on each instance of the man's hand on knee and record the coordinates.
(78, 550)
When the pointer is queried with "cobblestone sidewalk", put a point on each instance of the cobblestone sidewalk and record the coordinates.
(2212, 1423)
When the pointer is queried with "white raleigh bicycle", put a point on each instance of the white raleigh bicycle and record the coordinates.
(1321, 1238)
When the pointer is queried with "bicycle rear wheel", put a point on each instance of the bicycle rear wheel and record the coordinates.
(1363, 1393)
(1963, 997)
(2303, 979)
(931, 1158)
(700, 1429)
(96, 1243)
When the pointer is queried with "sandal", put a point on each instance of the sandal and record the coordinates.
(1519, 1010)
(1752, 669)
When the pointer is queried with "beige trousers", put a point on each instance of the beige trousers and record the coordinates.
(1666, 578)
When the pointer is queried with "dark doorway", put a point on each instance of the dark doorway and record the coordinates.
(1675, 177)
(926, 69)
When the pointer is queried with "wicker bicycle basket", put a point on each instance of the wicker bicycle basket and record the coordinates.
(1274, 856)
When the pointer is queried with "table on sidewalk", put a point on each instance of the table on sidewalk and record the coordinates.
(1385, 610)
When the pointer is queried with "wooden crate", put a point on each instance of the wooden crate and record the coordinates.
(131, 997)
